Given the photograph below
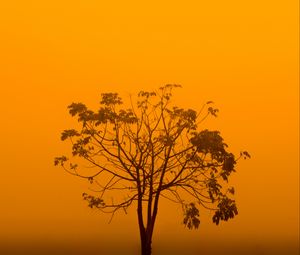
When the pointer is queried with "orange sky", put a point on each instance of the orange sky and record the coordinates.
(243, 55)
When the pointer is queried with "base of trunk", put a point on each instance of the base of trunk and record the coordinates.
(146, 247)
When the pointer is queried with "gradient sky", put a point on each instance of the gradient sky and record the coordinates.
(243, 55)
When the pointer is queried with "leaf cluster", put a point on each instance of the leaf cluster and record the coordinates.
(226, 210)
(191, 216)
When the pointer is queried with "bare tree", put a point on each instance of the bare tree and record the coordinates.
(150, 151)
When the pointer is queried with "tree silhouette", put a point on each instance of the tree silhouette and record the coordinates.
(150, 151)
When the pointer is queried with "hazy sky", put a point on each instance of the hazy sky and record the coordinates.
(243, 55)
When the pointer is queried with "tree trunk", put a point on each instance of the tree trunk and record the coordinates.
(146, 243)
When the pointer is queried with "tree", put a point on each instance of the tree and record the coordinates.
(151, 150)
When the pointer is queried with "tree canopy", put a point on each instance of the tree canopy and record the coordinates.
(151, 150)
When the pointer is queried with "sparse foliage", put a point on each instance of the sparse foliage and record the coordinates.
(149, 151)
